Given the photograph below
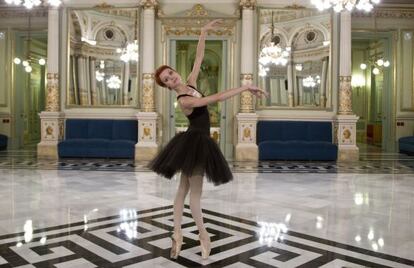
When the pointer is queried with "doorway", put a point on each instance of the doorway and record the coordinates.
(29, 90)
(372, 91)
(211, 79)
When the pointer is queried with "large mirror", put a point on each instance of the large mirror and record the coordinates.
(103, 57)
(294, 58)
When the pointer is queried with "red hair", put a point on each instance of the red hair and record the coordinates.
(158, 72)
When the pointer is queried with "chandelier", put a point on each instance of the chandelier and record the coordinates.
(339, 5)
(272, 54)
(26, 63)
(29, 4)
(114, 82)
(311, 82)
(130, 52)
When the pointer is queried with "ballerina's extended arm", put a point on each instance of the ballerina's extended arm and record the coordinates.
(192, 78)
(190, 102)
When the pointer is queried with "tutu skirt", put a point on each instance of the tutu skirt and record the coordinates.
(190, 151)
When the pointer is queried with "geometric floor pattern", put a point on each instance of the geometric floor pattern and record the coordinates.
(141, 239)
(127, 165)
(391, 163)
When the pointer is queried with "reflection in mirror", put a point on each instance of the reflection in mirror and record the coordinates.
(103, 62)
(277, 84)
(300, 73)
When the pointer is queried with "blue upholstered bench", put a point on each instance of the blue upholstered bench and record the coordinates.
(296, 140)
(3, 142)
(99, 138)
(406, 145)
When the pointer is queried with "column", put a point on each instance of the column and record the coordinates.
(125, 75)
(290, 83)
(147, 146)
(52, 124)
(246, 148)
(346, 120)
(324, 82)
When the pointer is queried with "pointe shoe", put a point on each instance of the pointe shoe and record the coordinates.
(205, 247)
(176, 243)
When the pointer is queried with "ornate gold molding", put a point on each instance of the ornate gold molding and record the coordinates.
(197, 11)
(148, 102)
(386, 14)
(345, 95)
(149, 4)
(104, 5)
(295, 6)
(248, 4)
(246, 98)
(52, 97)
(184, 31)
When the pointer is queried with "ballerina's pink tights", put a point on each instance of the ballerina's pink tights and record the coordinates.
(194, 184)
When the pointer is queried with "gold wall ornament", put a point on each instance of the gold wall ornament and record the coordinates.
(246, 133)
(198, 10)
(104, 5)
(345, 95)
(52, 97)
(149, 4)
(346, 134)
(248, 4)
(147, 131)
(52, 129)
(49, 131)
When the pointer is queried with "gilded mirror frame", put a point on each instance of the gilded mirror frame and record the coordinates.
(136, 100)
(330, 78)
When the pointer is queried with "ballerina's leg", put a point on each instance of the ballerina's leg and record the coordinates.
(182, 191)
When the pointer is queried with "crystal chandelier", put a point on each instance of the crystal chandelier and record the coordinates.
(26, 63)
(311, 82)
(29, 4)
(99, 76)
(114, 82)
(339, 5)
(130, 52)
(272, 54)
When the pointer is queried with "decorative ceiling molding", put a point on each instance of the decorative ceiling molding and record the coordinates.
(22, 13)
(104, 5)
(197, 11)
(189, 22)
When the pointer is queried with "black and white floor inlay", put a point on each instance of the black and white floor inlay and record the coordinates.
(141, 239)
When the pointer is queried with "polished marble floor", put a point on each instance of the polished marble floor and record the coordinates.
(56, 216)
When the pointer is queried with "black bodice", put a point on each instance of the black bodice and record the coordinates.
(199, 118)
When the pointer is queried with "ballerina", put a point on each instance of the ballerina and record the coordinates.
(193, 152)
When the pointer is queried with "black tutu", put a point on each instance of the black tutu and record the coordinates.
(188, 151)
(193, 150)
